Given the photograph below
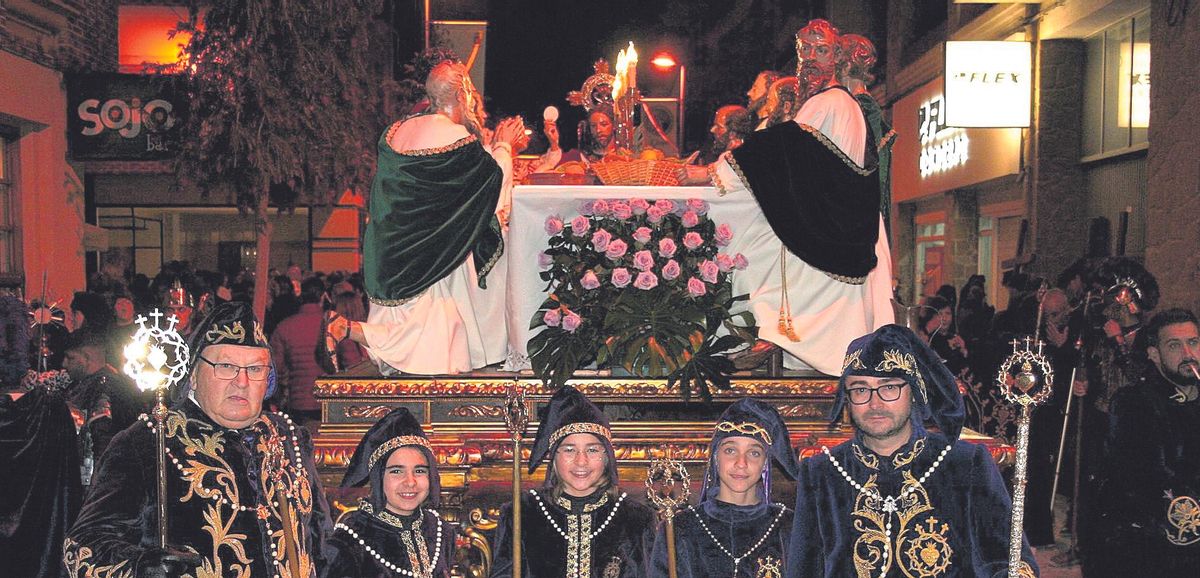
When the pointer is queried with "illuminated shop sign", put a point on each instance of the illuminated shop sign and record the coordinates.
(942, 147)
(1133, 105)
(988, 84)
(123, 116)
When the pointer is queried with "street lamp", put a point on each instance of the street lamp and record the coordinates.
(663, 62)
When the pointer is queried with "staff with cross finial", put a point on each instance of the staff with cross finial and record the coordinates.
(663, 477)
(156, 359)
(516, 418)
(1026, 379)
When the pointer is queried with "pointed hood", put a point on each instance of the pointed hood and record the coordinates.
(231, 323)
(751, 418)
(395, 430)
(895, 351)
(569, 412)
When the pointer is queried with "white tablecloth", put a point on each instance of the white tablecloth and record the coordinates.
(527, 237)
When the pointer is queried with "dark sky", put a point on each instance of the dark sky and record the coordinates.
(538, 50)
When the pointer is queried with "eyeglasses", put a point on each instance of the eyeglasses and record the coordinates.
(862, 395)
(230, 371)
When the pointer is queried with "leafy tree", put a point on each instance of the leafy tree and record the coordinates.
(284, 105)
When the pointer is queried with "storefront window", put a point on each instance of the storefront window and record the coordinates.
(931, 250)
(1117, 87)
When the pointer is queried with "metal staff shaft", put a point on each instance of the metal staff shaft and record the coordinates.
(1019, 480)
(671, 570)
(1062, 442)
(516, 417)
(160, 435)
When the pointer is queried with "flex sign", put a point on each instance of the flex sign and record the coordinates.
(122, 117)
(988, 84)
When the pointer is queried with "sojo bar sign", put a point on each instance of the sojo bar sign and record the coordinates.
(988, 84)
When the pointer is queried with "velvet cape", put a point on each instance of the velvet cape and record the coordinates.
(40, 481)
(738, 528)
(118, 522)
(821, 205)
(349, 559)
(621, 550)
(429, 211)
(1153, 463)
(964, 506)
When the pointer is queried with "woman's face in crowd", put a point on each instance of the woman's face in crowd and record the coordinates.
(580, 463)
(406, 480)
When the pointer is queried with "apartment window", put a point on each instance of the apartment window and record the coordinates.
(1116, 106)
(9, 263)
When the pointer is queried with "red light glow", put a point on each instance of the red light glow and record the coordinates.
(144, 36)
(664, 61)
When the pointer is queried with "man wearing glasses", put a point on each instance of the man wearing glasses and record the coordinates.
(899, 499)
(243, 494)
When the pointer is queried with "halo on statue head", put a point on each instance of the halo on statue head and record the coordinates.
(596, 90)
(1026, 376)
(157, 357)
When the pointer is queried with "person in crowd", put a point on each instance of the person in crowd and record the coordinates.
(1149, 521)
(39, 463)
(434, 241)
(90, 312)
(898, 498)
(731, 124)
(103, 402)
(179, 301)
(243, 494)
(348, 302)
(396, 529)
(579, 524)
(294, 354)
(284, 303)
(735, 531)
(974, 316)
(756, 95)
(819, 261)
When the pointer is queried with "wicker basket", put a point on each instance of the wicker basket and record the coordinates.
(638, 172)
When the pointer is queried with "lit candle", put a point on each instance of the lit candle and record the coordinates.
(631, 59)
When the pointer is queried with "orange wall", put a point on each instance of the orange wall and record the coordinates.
(50, 194)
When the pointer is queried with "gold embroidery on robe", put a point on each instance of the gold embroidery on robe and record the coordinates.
(77, 557)
(768, 567)
(924, 551)
(1183, 515)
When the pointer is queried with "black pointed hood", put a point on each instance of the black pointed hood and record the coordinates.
(752, 418)
(895, 351)
(567, 413)
(399, 428)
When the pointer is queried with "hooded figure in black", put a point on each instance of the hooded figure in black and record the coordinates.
(735, 531)
(396, 530)
(578, 524)
(243, 494)
(899, 500)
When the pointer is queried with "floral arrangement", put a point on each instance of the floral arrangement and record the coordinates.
(642, 285)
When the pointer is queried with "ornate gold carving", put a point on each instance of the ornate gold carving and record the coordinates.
(748, 428)
(1183, 514)
(366, 411)
(804, 410)
(619, 388)
(580, 427)
(394, 443)
(476, 410)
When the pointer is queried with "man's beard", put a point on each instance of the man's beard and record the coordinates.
(756, 105)
(889, 433)
(1182, 373)
(813, 78)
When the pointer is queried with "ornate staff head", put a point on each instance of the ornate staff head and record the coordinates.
(157, 357)
(516, 414)
(668, 486)
(1026, 375)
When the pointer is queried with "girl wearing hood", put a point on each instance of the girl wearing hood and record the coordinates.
(396, 530)
(578, 524)
(735, 530)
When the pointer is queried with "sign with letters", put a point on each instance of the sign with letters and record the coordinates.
(123, 116)
(989, 84)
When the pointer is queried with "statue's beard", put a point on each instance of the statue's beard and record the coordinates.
(814, 79)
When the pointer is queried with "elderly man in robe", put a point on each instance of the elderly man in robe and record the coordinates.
(820, 267)
(432, 248)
